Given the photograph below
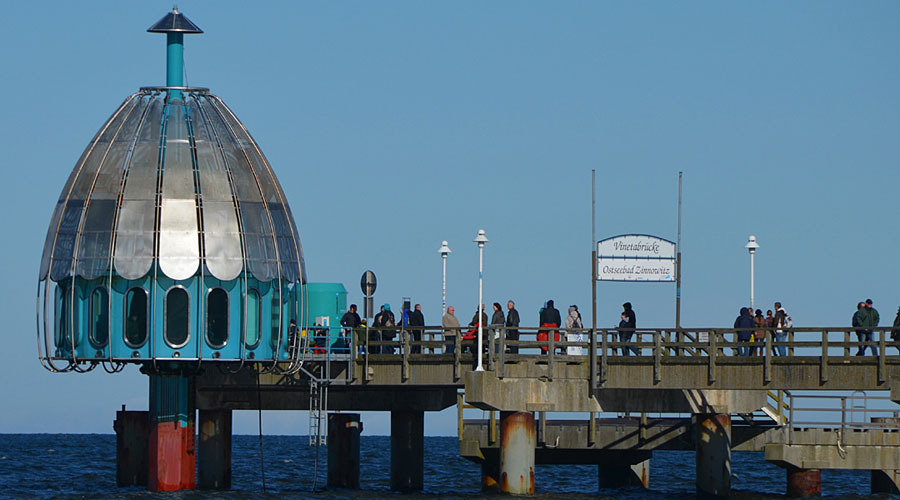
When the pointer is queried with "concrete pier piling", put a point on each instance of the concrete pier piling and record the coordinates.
(517, 442)
(885, 481)
(407, 450)
(214, 450)
(343, 450)
(627, 471)
(713, 455)
(803, 483)
(132, 436)
(490, 476)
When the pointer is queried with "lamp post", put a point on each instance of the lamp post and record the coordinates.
(481, 239)
(444, 251)
(751, 246)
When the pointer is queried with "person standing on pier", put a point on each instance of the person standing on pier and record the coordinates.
(743, 325)
(626, 329)
(451, 330)
(624, 336)
(860, 332)
(350, 321)
(472, 334)
(780, 334)
(868, 319)
(895, 331)
(876, 318)
(759, 335)
(498, 322)
(384, 322)
(552, 314)
(573, 322)
(550, 320)
(512, 327)
(416, 322)
(375, 333)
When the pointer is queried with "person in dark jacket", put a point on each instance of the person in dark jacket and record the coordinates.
(895, 330)
(867, 318)
(629, 313)
(874, 320)
(550, 320)
(484, 318)
(780, 331)
(374, 333)
(416, 322)
(512, 326)
(497, 321)
(626, 329)
(550, 314)
(860, 333)
(744, 325)
(472, 334)
(385, 322)
(350, 321)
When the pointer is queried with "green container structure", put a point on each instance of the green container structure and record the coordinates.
(327, 304)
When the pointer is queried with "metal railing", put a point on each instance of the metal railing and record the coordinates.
(840, 413)
(504, 345)
(843, 413)
(323, 344)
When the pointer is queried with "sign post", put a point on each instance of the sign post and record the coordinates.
(593, 360)
(678, 263)
(367, 284)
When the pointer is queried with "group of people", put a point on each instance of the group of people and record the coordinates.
(549, 319)
(386, 326)
(752, 328)
(452, 327)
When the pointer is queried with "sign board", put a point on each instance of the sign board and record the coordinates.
(368, 283)
(636, 257)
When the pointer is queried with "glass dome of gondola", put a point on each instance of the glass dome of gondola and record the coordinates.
(172, 238)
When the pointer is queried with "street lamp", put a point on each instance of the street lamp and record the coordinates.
(751, 246)
(481, 239)
(444, 251)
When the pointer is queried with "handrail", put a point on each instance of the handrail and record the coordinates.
(884, 418)
(822, 346)
(807, 341)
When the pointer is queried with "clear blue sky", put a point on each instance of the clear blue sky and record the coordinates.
(395, 125)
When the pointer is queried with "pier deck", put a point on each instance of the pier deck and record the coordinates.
(682, 372)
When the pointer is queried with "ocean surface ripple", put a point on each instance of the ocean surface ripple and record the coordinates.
(83, 466)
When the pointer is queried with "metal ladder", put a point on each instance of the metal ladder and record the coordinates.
(318, 410)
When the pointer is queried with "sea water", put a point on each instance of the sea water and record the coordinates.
(83, 466)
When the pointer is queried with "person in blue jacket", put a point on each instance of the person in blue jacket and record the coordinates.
(743, 325)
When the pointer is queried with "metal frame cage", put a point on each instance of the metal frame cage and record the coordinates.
(170, 193)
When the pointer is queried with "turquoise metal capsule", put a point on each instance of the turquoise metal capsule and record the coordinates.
(172, 239)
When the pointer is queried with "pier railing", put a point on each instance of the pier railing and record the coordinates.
(856, 411)
(602, 348)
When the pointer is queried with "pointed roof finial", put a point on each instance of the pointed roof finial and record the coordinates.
(174, 22)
